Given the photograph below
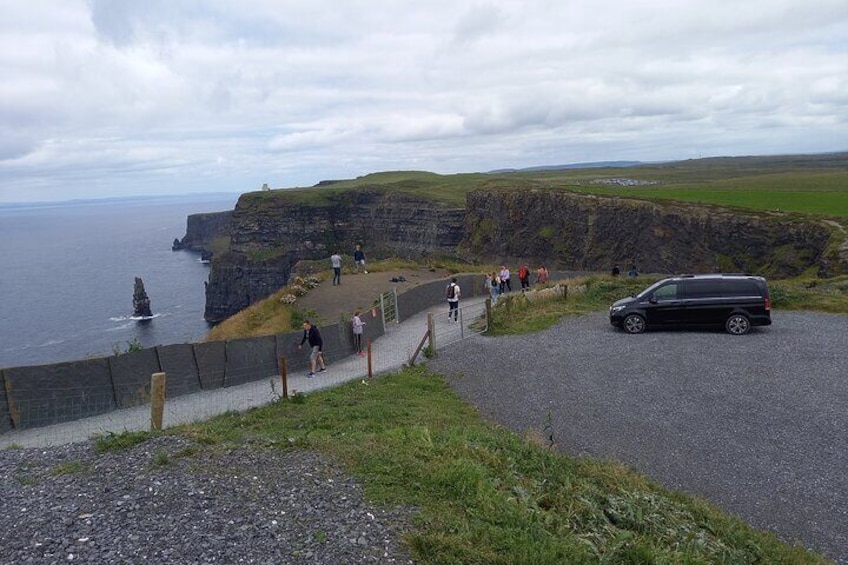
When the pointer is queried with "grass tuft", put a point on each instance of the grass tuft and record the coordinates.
(122, 441)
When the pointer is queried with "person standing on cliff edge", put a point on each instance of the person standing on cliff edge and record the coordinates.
(359, 258)
(336, 260)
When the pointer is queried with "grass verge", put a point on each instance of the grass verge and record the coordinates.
(486, 495)
(516, 316)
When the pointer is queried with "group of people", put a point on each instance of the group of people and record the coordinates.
(499, 282)
(496, 284)
(632, 273)
(312, 335)
(358, 262)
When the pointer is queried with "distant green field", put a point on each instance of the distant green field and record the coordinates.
(816, 184)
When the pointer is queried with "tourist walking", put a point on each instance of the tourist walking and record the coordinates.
(492, 286)
(504, 276)
(359, 259)
(541, 275)
(616, 270)
(358, 327)
(524, 277)
(452, 294)
(336, 261)
(633, 273)
(316, 357)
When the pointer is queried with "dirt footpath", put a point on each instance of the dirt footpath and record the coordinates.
(361, 291)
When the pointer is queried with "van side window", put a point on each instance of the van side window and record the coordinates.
(667, 292)
(707, 288)
(741, 288)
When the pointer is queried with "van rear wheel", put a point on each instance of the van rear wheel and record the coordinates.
(738, 324)
(633, 324)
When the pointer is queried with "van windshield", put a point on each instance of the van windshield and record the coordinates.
(650, 289)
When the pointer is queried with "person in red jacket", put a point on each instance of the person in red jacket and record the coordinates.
(524, 276)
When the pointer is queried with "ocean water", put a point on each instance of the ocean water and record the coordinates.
(67, 272)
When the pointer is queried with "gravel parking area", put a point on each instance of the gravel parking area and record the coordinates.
(170, 500)
(757, 424)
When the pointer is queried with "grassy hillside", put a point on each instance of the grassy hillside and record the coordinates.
(811, 184)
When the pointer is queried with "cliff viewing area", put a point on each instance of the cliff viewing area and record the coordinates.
(525, 429)
(775, 216)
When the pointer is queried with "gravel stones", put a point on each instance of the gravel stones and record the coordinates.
(169, 500)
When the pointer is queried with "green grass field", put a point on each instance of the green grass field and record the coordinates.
(815, 184)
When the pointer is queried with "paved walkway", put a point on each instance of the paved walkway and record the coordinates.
(389, 353)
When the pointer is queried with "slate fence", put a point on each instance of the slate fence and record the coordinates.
(36, 396)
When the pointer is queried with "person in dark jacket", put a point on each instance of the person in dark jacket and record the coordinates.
(359, 259)
(313, 336)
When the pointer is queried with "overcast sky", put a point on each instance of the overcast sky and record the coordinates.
(122, 97)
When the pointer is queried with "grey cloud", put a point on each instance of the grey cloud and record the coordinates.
(477, 22)
(14, 147)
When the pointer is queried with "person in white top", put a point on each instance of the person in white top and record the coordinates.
(452, 293)
(505, 284)
(336, 261)
(358, 327)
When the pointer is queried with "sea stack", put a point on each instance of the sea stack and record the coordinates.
(141, 303)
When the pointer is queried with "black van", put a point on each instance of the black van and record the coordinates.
(734, 301)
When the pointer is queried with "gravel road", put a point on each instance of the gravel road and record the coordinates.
(757, 424)
(171, 501)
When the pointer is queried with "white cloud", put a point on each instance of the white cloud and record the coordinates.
(107, 97)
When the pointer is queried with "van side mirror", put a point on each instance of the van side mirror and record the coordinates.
(652, 299)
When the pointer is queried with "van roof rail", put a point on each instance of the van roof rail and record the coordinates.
(693, 275)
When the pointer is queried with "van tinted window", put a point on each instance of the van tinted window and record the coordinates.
(707, 288)
(666, 292)
(741, 288)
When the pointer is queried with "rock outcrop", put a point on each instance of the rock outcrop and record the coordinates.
(587, 232)
(141, 302)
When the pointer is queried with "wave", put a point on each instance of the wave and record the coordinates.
(134, 318)
(143, 318)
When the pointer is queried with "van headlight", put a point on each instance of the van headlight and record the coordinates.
(614, 309)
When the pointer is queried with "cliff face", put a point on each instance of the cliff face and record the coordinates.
(585, 232)
(236, 281)
(203, 229)
(271, 231)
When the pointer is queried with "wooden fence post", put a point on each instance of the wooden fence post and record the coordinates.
(157, 400)
(431, 332)
(488, 314)
(368, 347)
(284, 377)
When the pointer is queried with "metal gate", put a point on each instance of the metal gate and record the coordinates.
(389, 308)
(470, 320)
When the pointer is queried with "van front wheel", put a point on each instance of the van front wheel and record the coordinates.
(738, 324)
(634, 324)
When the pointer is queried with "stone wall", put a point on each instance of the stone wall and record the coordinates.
(37, 396)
